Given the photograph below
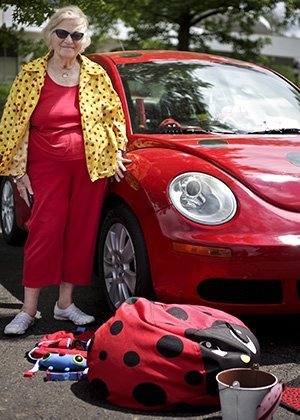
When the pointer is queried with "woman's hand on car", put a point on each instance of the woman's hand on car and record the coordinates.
(121, 168)
(25, 189)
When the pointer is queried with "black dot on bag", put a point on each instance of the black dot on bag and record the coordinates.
(131, 358)
(116, 327)
(149, 394)
(100, 388)
(169, 346)
(179, 313)
(193, 377)
(103, 355)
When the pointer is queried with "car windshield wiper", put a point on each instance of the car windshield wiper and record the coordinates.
(221, 131)
(182, 130)
(192, 130)
(277, 131)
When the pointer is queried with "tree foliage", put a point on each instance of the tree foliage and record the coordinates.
(194, 24)
(184, 25)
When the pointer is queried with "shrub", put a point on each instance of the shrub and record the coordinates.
(4, 90)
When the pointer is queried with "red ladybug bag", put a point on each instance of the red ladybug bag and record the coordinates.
(155, 356)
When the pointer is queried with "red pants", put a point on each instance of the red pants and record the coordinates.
(63, 224)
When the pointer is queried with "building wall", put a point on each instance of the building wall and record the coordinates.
(9, 62)
(8, 69)
(283, 48)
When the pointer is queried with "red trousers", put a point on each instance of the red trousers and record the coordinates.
(63, 224)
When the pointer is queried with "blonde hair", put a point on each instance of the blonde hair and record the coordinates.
(69, 12)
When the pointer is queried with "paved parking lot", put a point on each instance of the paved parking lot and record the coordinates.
(24, 398)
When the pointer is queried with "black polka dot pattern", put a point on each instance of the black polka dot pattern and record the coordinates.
(149, 394)
(154, 356)
(100, 388)
(193, 377)
(116, 327)
(131, 358)
(103, 355)
(100, 107)
(178, 313)
(169, 346)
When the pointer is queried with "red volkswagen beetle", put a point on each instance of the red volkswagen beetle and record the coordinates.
(209, 210)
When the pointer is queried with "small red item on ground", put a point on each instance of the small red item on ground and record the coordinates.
(291, 399)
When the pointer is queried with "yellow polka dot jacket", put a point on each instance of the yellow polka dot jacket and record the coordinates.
(102, 118)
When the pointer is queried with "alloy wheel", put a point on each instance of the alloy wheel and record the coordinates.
(119, 264)
(7, 208)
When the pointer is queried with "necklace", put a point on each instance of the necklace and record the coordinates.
(66, 71)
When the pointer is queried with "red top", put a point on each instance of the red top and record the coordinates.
(55, 130)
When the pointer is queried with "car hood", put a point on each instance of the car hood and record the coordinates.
(268, 165)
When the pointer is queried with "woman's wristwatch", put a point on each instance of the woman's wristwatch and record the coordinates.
(17, 178)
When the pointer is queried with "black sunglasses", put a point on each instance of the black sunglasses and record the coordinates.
(62, 34)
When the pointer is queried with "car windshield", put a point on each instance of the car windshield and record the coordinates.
(198, 96)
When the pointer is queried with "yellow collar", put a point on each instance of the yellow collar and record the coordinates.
(40, 65)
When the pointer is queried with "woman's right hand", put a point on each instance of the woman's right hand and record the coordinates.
(24, 188)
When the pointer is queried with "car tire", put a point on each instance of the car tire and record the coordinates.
(11, 233)
(123, 264)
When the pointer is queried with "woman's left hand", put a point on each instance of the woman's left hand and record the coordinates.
(121, 162)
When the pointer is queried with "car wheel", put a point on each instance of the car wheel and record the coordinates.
(123, 265)
(12, 234)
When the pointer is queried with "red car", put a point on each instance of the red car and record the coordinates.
(209, 210)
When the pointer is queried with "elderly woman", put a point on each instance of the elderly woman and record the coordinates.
(62, 135)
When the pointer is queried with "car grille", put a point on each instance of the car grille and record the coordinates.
(241, 291)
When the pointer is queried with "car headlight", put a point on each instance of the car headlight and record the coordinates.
(202, 198)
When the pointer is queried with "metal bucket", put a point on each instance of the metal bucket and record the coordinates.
(241, 392)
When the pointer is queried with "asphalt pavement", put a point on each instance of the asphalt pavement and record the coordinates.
(32, 398)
